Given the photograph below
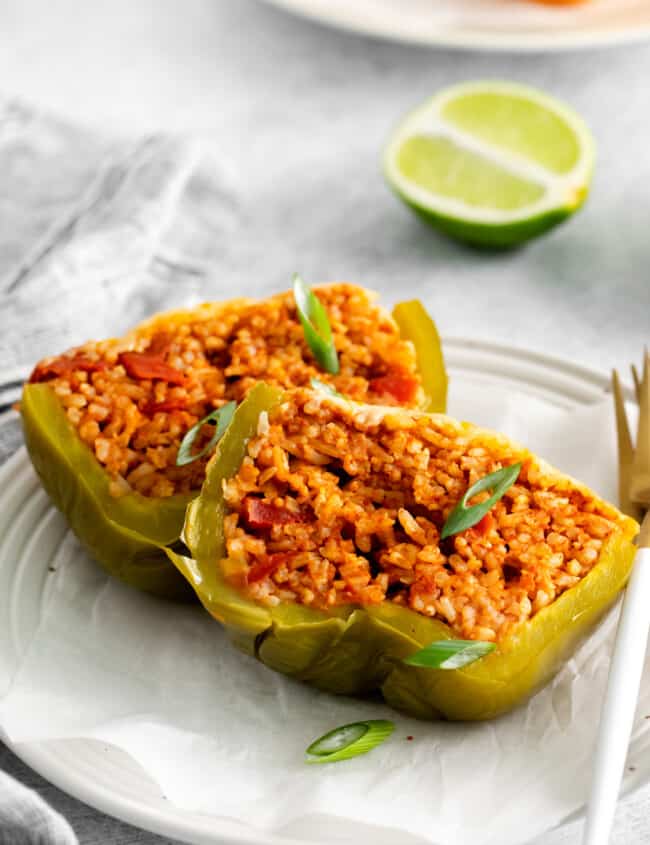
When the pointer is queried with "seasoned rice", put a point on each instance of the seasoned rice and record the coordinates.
(336, 503)
(206, 357)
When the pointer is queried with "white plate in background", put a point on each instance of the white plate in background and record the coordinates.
(518, 25)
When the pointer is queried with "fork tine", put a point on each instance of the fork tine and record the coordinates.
(640, 481)
(637, 382)
(625, 453)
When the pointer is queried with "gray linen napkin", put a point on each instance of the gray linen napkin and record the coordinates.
(96, 233)
(25, 819)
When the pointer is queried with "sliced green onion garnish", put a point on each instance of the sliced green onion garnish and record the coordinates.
(462, 517)
(315, 325)
(349, 741)
(317, 384)
(450, 654)
(219, 418)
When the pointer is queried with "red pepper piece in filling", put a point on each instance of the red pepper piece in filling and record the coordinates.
(143, 365)
(63, 366)
(165, 407)
(266, 566)
(160, 344)
(485, 525)
(260, 514)
(398, 387)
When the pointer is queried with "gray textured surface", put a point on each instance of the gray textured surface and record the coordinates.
(294, 116)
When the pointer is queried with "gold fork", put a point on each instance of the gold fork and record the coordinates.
(640, 478)
(634, 463)
(634, 622)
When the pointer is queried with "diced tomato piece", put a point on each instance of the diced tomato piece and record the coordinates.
(63, 366)
(143, 365)
(168, 405)
(160, 344)
(266, 566)
(398, 387)
(260, 514)
(485, 525)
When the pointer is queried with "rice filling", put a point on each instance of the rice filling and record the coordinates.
(133, 399)
(337, 503)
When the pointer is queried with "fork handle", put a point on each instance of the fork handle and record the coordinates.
(620, 702)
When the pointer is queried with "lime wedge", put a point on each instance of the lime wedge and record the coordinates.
(491, 163)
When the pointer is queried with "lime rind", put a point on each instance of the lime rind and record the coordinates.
(482, 225)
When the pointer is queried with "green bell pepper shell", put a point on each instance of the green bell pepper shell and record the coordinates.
(127, 535)
(418, 327)
(355, 650)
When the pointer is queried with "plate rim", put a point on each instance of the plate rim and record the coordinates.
(468, 39)
(165, 819)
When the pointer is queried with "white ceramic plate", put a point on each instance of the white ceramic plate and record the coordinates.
(485, 24)
(109, 779)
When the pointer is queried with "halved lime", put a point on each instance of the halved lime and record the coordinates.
(491, 163)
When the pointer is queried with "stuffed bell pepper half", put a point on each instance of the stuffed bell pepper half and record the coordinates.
(120, 430)
(338, 542)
